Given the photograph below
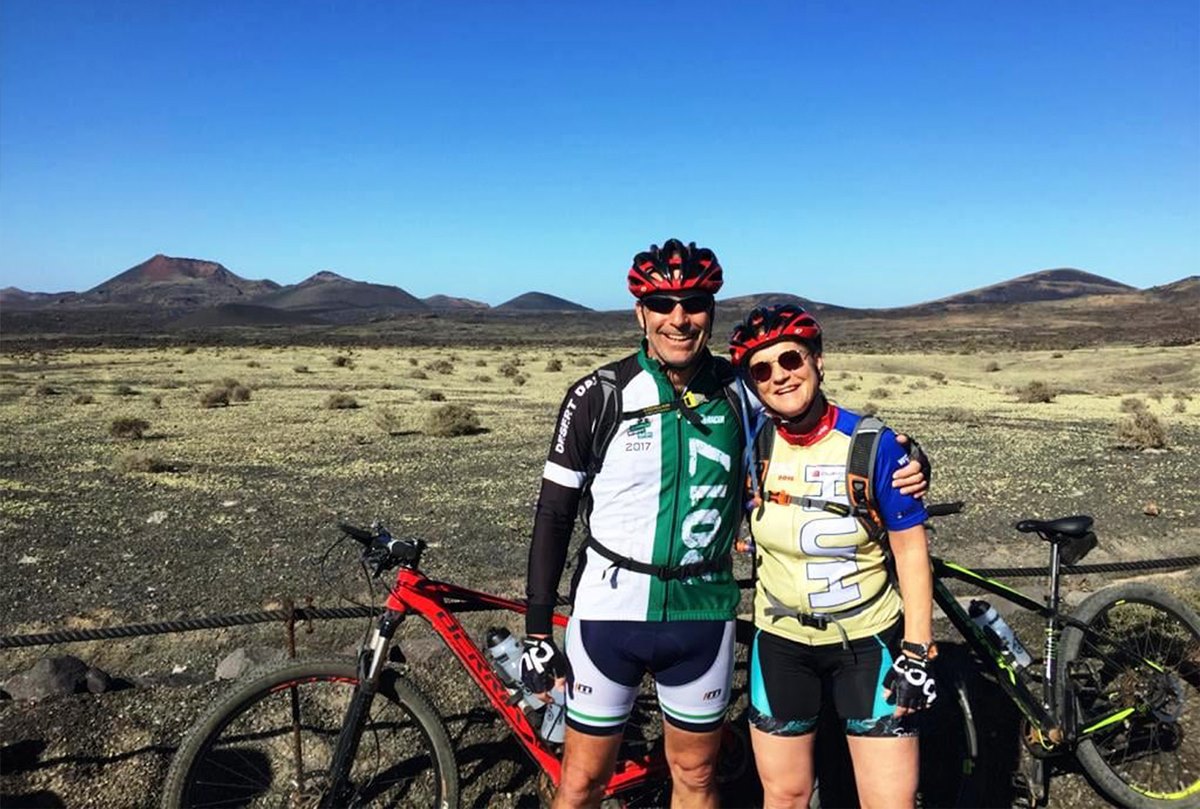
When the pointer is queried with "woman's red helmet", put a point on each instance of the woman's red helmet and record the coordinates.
(770, 324)
(674, 268)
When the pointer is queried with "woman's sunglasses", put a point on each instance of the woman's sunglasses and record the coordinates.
(665, 304)
(788, 361)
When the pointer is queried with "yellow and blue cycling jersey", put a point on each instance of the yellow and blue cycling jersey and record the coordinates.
(814, 561)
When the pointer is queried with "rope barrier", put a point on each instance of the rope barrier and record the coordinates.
(333, 613)
(185, 625)
(1105, 567)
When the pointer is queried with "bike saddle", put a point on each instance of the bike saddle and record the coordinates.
(1058, 530)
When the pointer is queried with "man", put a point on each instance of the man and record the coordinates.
(661, 502)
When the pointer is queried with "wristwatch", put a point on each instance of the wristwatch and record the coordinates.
(921, 651)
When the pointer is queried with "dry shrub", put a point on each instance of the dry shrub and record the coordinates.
(519, 380)
(1132, 404)
(843, 375)
(891, 379)
(1035, 392)
(959, 415)
(230, 382)
(452, 419)
(188, 350)
(920, 384)
(1182, 395)
(412, 360)
(553, 366)
(481, 363)
(937, 376)
(880, 393)
(254, 364)
(583, 361)
(870, 409)
(508, 369)
(45, 389)
(992, 367)
(1057, 355)
(156, 400)
(215, 397)
(124, 427)
(1156, 395)
(300, 369)
(851, 386)
(239, 393)
(417, 373)
(342, 361)
(141, 462)
(1142, 430)
(1180, 406)
(387, 420)
(340, 401)
(440, 366)
(435, 396)
(125, 390)
(87, 398)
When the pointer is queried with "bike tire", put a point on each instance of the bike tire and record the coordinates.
(240, 752)
(950, 763)
(1149, 759)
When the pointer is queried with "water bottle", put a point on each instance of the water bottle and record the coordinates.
(554, 721)
(506, 655)
(986, 617)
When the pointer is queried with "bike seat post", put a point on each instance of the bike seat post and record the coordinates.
(1050, 651)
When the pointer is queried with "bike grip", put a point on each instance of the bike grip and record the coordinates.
(359, 534)
(942, 509)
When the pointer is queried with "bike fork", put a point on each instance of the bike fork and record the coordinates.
(371, 661)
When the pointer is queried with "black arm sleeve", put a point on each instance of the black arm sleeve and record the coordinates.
(558, 501)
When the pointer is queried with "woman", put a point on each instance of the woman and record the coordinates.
(831, 627)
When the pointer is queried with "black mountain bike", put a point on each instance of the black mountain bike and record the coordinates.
(1117, 685)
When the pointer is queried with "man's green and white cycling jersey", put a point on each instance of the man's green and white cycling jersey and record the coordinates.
(668, 493)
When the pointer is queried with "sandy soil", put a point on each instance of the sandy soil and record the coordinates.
(254, 490)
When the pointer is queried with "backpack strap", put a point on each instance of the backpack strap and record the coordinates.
(860, 474)
(664, 572)
(819, 621)
(608, 422)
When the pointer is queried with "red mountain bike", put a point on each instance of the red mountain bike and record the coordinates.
(330, 733)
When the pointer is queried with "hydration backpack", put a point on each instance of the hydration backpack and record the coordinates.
(860, 475)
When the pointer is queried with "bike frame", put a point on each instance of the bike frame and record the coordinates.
(1047, 715)
(438, 602)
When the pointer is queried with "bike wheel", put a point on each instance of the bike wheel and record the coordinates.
(950, 773)
(1133, 679)
(248, 751)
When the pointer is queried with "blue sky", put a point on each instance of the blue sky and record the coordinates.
(861, 153)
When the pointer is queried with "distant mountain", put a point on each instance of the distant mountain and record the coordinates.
(540, 302)
(744, 303)
(329, 292)
(1183, 289)
(175, 282)
(243, 314)
(13, 298)
(1047, 285)
(447, 302)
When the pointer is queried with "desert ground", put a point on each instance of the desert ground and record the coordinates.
(231, 508)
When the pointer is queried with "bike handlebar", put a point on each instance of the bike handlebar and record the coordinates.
(942, 509)
(384, 550)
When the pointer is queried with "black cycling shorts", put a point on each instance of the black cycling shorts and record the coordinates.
(790, 681)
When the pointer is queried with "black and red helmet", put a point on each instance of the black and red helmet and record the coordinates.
(770, 324)
(673, 268)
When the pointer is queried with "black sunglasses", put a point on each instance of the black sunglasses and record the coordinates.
(788, 361)
(665, 304)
